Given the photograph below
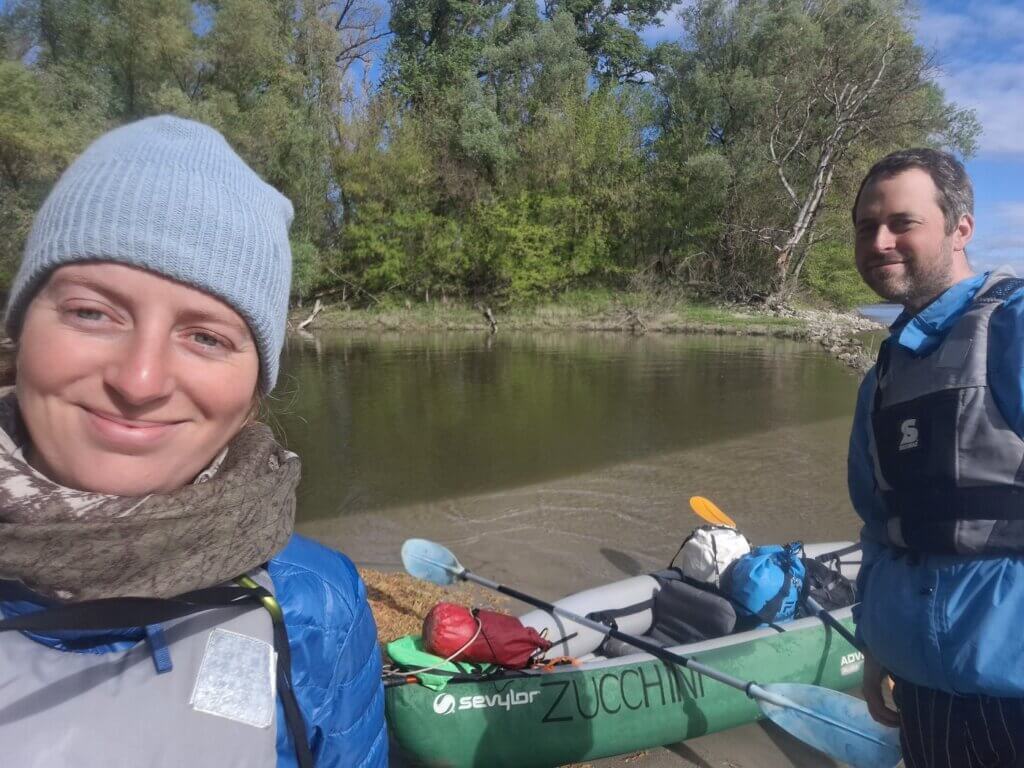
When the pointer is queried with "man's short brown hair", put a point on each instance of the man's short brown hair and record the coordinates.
(955, 192)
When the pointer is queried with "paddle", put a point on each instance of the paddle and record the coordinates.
(707, 510)
(815, 608)
(827, 720)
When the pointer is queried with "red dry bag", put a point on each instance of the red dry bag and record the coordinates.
(502, 639)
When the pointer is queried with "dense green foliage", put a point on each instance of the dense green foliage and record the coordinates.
(504, 153)
(829, 275)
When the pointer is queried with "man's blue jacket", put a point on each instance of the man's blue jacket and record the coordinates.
(943, 621)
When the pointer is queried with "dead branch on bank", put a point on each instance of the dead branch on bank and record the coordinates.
(489, 317)
(318, 307)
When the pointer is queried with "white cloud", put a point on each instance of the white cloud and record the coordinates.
(1011, 213)
(937, 31)
(959, 35)
(981, 51)
(1003, 22)
(996, 91)
(1000, 237)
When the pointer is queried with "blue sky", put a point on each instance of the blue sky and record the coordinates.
(979, 47)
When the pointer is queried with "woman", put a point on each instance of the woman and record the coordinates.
(149, 314)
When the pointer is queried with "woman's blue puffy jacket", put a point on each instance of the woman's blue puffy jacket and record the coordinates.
(335, 658)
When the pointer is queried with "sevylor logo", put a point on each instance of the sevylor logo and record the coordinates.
(445, 703)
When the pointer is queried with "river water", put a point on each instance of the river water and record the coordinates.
(557, 462)
(540, 455)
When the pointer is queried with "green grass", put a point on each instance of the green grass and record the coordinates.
(706, 313)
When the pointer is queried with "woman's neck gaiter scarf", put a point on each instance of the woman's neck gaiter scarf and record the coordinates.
(75, 545)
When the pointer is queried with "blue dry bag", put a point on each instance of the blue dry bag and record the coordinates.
(767, 582)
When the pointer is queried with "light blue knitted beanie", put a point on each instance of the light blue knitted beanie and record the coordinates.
(169, 195)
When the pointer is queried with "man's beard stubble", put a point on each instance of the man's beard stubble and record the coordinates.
(922, 281)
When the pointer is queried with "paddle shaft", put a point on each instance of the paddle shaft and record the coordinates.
(751, 689)
(638, 642)
(832, 621)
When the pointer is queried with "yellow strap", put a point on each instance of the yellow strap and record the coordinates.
(269, 602)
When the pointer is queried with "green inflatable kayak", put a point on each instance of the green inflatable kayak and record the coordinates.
(613, 700)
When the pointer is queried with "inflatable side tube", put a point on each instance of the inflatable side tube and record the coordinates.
(620, 594)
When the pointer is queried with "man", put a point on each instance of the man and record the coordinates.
(936, 470)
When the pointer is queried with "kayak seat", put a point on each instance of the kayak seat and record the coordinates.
(683, 613)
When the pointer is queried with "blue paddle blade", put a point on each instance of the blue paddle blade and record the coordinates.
(431, 562)
(852, 738)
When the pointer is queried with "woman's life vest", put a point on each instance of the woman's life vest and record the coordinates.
(206, 695)
(709, 551)
(767, 583)
(949, 468)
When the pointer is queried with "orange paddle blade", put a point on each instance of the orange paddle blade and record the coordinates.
(706, 509)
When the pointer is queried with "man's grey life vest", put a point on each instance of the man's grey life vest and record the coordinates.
(216, 706)
(949, 467)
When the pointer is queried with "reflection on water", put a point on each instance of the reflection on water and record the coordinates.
(387, 420)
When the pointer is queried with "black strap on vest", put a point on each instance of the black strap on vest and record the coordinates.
(292, 712)
(115, 613)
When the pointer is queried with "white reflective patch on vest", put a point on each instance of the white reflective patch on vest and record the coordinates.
(237, 679)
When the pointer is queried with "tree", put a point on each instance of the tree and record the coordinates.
(507, 151)
(532, 66)
(791, 93)
(608, 30)
(436, 44)
(39, 134)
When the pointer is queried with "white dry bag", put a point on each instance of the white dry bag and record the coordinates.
(709, 550)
